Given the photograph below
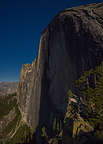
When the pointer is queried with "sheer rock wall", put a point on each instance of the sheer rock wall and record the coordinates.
(71, 44)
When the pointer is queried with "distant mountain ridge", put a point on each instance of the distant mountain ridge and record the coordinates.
(7, 88)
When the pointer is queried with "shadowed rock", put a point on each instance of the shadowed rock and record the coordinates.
(71, 44)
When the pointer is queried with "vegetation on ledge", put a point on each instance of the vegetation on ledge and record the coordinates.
(83, 121)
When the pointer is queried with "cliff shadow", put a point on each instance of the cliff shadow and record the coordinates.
(50, 116)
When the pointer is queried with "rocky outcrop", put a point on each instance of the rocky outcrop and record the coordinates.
(76, 130)
(25, 88)
(71, 44)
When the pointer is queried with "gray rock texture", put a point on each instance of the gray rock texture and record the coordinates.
(71, 44)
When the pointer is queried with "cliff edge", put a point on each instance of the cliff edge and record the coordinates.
(71, 44)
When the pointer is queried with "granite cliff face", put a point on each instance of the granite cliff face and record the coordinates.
(71, 44)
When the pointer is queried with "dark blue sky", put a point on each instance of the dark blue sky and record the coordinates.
(21, 22)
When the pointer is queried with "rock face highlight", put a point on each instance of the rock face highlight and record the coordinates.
(71, 44)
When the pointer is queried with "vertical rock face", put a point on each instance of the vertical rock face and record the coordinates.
(30, 86)
(71, 44)
(24, 88)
